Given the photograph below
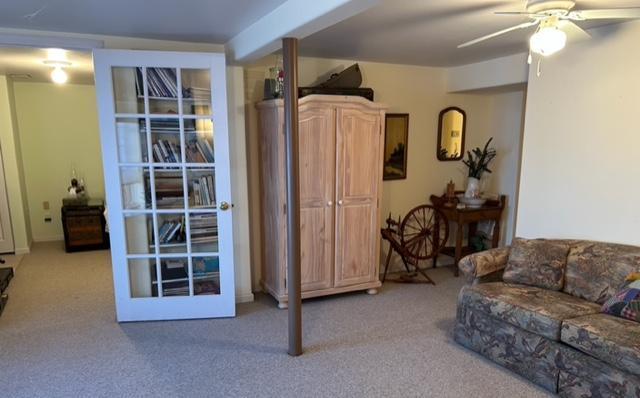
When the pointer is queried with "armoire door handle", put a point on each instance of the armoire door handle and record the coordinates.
(340, 202)
(329, 203)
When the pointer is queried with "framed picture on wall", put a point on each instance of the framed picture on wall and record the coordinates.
(395, 146)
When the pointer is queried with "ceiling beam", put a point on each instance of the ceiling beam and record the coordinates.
(293, 18)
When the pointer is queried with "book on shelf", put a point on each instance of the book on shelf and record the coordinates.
(161, 82)
(165, 151)
(206, 287)
(169, 189)
(197, 93)
(169, 125)
(204, 228)
(199, 151)
(171, 231)
(204, 191)
(206, 265)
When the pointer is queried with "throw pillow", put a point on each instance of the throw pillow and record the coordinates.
(626, 303)
(537, 262)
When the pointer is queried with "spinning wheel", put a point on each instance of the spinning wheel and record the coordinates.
(420, 236)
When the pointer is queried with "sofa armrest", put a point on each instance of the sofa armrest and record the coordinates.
(486, 266)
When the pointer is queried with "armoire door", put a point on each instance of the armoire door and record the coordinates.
(358, 174)
(165, 149)
(317, 176)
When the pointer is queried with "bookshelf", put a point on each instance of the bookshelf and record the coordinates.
(165, 144)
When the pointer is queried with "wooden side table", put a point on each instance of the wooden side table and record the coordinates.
(84, 226)
(490, 211)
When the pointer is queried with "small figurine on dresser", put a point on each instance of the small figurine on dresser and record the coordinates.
(76, 190)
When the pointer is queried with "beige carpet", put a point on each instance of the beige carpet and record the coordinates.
(58, 338)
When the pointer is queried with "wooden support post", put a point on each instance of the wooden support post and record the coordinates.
(290, 63)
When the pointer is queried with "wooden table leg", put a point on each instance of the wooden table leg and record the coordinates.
(496, 234)
(458, 253)
(436, 240)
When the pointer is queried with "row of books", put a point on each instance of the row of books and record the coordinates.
(168, 125)
(204, 192)
(161, 82)
(171, 231)
(165, 151)
(199, 151)
(204, 228)
(206, 277)
(197, 93)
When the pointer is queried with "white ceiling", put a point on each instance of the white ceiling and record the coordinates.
(423, 32)
(21, 61)
(211, 21)
(420, 32)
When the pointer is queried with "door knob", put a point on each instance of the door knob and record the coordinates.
(329, 203)
(224, 206)
(340, 202)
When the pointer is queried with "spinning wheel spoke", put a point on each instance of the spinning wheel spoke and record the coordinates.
(417, 220)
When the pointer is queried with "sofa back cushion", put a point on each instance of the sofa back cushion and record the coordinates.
(537, 262)
(596, 270)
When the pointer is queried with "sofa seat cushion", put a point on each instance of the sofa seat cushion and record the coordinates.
(613, 340)
(531, 308)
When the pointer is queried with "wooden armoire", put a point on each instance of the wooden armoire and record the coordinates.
(341, 158)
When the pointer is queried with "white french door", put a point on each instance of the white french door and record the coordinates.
(165, 148)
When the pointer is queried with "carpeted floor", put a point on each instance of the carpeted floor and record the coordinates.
(58, 338)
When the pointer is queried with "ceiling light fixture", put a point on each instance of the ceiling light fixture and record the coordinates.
(548, 39)
(57, 58)
(58, 75)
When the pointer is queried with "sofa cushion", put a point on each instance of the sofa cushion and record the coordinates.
(615, 341)
(537, 262)
(530, 308)
(596, 271)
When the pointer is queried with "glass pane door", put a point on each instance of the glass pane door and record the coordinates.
(166, 172)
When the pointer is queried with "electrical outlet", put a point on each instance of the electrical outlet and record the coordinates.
(45, 205)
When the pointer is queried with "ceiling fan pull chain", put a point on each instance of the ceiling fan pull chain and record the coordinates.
(539, 69)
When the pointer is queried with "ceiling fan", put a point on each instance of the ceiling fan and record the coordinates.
(555, 20)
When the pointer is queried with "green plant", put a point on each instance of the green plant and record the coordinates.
(478, 161)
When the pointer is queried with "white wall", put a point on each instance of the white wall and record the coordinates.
(581, 157)
(504, 71)
(13, 168)
(58, 127)
(421, 92)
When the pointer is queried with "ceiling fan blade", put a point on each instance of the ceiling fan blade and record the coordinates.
(612, 13)
(574, 32)
(531, 14)
(492, 35)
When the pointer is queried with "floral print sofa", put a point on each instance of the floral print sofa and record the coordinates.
(558, 339)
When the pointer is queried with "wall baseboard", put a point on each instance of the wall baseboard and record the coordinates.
(22, 250)
(55, 238)
(244, 297)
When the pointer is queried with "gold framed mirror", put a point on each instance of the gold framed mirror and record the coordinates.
(451, 134)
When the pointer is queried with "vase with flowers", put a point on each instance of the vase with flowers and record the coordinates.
(478, 163)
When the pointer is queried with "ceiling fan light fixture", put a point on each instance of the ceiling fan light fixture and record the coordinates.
(548, 40)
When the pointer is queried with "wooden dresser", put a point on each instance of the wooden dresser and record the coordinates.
(341, 148)
(84, 226)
